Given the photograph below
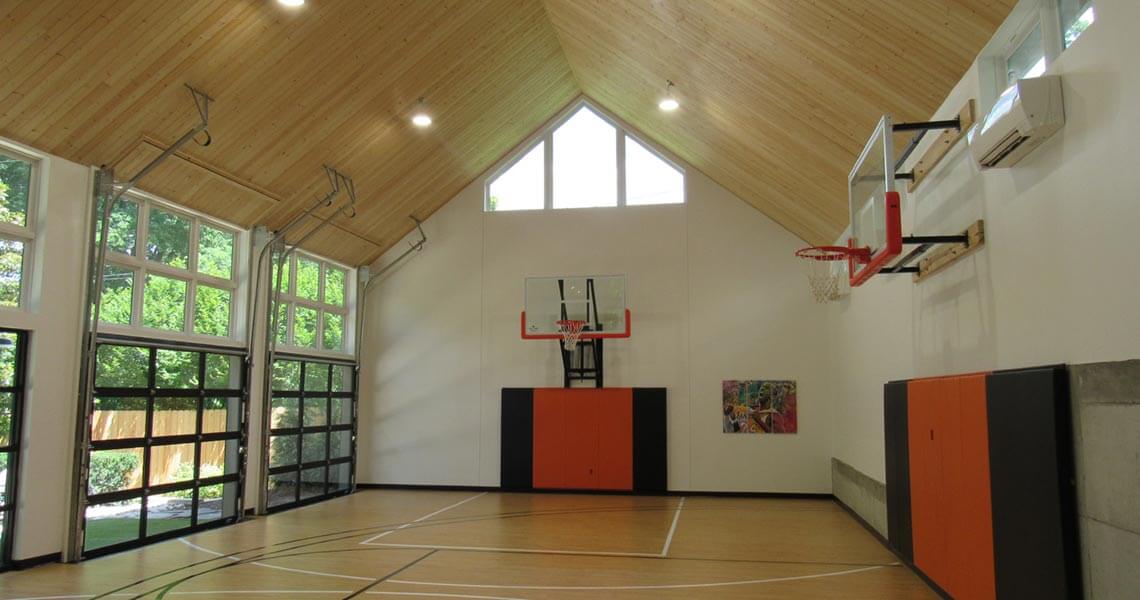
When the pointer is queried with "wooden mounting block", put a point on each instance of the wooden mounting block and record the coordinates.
(947, 254)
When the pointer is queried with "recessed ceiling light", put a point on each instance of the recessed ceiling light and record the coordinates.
(669, 102)
(291, 3)
(421, 118)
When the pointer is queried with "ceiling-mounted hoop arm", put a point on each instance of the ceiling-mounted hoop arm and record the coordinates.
(921, 128)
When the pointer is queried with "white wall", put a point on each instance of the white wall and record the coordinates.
(715, 294)
(55, 319)
(1057, 281)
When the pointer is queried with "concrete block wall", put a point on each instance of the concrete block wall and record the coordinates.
(864, 495)
(1106, 434)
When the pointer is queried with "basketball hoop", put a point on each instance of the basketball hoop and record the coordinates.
(822, 279)
(571, 330)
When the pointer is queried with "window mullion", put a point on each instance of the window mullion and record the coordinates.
(620, 165)
(192, 260)
(548, 170)
(189, 307)
(15, 231)
(143, 230)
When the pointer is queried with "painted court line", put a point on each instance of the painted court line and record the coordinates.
(423, 518)
(675, 586)
(672, 528)
(269, 566)
(282, 592)
(518, 550)
(439, 595)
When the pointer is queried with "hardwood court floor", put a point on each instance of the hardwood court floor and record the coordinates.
(494, 546)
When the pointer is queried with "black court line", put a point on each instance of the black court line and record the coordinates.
(389, 576)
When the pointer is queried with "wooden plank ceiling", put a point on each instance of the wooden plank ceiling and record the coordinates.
(334, 82)
(777, 96)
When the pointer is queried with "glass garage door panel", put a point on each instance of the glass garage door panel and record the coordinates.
(166, 443)
(312, 431)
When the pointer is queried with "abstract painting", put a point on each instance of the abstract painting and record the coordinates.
(759, 406)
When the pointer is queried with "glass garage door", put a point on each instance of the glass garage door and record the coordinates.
(312, 431)
(167, 443)
(13, 350)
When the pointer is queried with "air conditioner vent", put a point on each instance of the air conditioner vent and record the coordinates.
(1003, 149)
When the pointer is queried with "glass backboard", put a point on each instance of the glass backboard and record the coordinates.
(599, 300)
(875, 221)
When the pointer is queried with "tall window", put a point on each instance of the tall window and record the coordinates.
(169, 273)
(312, 431)
(166, 436)
(584, 160)
(17, 192)
(1036, 33)
(1076, 17)
(1027, 59)
(13, 350)
(313, 311)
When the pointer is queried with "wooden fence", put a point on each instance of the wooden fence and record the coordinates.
(165, 460)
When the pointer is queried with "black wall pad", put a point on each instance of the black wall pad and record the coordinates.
(898, 469)
(516, 470)
(1033, 496)
(650, 450)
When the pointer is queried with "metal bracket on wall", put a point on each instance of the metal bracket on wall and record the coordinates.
(954, 130)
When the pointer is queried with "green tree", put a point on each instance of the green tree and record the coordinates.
(11, 251)
(15, 181)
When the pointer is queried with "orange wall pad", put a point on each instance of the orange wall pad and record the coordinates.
(583, 438)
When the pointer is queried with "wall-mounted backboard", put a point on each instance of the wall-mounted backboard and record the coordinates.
(599, 300)
(876, 222)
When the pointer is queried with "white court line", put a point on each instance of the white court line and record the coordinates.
(193, 593)
(218, 592)
(519, 550)
(675, 586)
(672, 528)
(278, 567)
(423, 518)
(438, 595)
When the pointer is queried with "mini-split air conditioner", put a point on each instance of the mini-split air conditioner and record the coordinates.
(1025, 115)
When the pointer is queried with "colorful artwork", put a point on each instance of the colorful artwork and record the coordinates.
(759, 406)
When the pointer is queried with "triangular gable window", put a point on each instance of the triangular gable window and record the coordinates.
(584, 160)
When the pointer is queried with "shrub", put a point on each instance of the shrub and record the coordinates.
(111, 471)
(207, 492)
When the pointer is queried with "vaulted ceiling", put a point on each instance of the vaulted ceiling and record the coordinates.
(777, 96)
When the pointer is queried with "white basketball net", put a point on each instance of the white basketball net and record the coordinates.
(571, 330)
(824, 283)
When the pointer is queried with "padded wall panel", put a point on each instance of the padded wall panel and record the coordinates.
(898, 468)
(517, 428)
(615, 439)
(1031, 469)
(581, 413)
(970, 531)
(650, 450)
(549, 439)
(928, 518)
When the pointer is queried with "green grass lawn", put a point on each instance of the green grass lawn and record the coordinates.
(104, 532)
